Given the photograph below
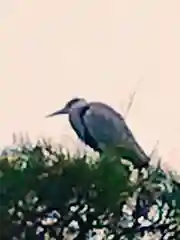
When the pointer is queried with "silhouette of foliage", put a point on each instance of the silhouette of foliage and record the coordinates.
(46, 194)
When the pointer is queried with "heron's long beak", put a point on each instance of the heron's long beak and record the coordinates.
(62, 111)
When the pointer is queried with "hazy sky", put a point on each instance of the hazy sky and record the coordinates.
(51, 51)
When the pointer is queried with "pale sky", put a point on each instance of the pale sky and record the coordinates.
(51, 51)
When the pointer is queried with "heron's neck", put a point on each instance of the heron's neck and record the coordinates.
(76, 121)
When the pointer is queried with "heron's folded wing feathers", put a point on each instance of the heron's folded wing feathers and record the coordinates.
(108, 128)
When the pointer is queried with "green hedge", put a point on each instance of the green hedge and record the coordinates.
(45, 194)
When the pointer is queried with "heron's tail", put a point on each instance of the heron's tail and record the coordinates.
(141, 159)
(135, 154)
(131, 152)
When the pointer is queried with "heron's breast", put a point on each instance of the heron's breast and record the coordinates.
(76, 124)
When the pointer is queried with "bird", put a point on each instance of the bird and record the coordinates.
(100, 126)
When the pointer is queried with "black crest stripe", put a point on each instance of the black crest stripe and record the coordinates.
(89, 140)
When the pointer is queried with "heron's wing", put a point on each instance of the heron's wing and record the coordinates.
(108, 128)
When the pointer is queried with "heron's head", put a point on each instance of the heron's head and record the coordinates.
(69, 106)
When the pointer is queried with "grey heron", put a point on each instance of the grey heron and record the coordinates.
(99, 126)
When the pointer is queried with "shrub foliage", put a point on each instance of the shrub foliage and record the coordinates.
(46, 194)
